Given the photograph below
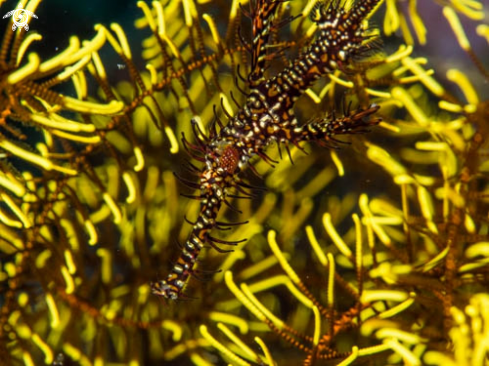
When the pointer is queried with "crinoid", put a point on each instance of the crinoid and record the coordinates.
(267, 117)
(375, 253)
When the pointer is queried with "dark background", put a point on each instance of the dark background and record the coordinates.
(59, 19)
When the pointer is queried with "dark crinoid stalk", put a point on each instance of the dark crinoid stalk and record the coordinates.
(267, 117)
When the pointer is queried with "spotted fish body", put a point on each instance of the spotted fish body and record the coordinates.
(268, 116)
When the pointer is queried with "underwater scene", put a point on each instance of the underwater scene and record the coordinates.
(244, 182)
